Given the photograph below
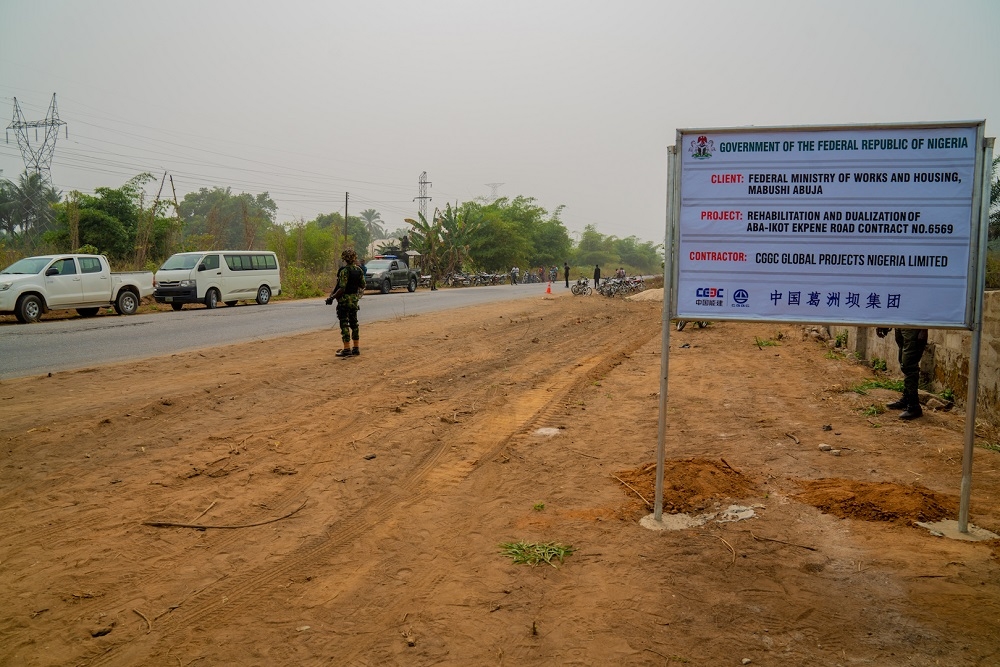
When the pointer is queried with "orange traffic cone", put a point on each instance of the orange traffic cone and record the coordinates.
(548, 290)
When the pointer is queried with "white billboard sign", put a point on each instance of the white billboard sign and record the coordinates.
(853, 225)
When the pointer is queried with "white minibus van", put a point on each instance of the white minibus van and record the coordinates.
(212, 276)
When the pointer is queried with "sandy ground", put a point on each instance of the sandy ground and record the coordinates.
(383, 486)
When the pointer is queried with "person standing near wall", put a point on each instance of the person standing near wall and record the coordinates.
(911, 344)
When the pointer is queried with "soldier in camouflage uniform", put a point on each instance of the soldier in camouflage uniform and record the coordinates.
(350, 288)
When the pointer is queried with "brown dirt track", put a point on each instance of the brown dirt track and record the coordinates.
(394, 560)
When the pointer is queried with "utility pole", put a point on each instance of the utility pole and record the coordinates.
(347, 195)
(38, 158)
(422, 184)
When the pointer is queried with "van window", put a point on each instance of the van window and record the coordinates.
(251, 262)
(89, 265)
(180, 261)
(211, 262)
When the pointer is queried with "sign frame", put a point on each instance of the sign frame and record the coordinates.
(676, 202)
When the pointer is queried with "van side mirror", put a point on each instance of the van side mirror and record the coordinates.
(52, 271)
(201, 267)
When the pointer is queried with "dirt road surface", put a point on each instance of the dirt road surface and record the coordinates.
(351, 512)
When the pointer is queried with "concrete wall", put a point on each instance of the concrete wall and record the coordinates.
(946, 362)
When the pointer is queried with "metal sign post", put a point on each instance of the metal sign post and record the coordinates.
(857, 225)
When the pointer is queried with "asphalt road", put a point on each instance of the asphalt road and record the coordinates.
(59, 345)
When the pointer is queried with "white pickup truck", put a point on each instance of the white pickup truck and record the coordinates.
(35, 285)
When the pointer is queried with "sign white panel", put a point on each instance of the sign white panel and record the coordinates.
(854, 225)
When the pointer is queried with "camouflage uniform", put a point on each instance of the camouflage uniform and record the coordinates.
(348, 302)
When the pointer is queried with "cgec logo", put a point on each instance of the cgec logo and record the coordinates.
(741, 296)
(708, 293)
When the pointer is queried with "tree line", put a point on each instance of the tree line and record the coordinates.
(139, 231)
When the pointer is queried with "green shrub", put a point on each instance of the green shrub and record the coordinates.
(298, 283)
(993, 270)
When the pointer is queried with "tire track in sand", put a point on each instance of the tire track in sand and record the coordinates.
(494, 430)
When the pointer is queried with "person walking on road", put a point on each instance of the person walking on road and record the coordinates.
(911, 344)
(566, 273)
(350, 288)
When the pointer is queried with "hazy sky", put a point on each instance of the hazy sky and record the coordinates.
(571, 102)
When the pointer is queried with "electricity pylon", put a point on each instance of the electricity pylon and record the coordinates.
(37, 156)
(494, 187)
(422, 193)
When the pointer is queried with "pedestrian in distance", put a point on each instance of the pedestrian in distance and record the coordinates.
(597, 276)
(566, 273)
(514, 274)
(911, 344)
(348, 292)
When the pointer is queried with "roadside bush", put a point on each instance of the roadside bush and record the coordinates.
(993, 270)
(298, 283)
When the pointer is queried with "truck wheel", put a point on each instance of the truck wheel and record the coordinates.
(212, 298)
(385, 286)
(28, 309)
(412, 285)
(126, 303)
(177, 306)
(87, 312)
(263, 294)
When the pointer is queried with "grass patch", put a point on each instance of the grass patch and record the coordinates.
(764, 342)
(841, 339)
(873, 410)
(535, 553)
(877, 383)
(538, 507)
(989, 446)
(879, 364)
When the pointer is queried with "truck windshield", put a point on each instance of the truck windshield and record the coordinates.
(180, 262)
(28, 265)
(378, 265)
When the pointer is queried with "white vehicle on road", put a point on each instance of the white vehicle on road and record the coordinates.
(33, 286)
(209, 277)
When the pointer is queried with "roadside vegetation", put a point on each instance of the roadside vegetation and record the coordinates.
(138, 232)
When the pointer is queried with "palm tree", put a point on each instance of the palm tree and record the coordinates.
(372, 218)
(26, 207)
